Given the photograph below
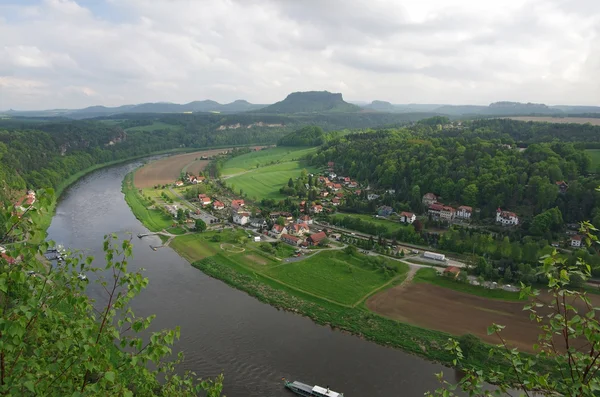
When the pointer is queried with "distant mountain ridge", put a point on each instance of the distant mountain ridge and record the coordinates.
(501, 108)
(151, 107)
(312, 102)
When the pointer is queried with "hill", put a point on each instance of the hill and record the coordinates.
(503, 108)
(307, 136)
(312, 102)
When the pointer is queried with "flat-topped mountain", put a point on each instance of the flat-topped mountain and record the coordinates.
(312, 102)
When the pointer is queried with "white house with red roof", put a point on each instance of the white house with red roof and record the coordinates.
(305, 219)
(316, 209)
(429, 198)
(218, 205)
(278, 230)
(506, 218)
(204, 199)
(299, 229)
(237, 204)
(576, 241)
(241, 218)
(407, 217)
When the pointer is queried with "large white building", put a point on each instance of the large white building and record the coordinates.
(506, 218)
(407, 217)
(464, 212)
(241, 218)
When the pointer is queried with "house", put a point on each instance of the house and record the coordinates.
(562, 186)
(429, 198)
(407, 217)
(193, 180)
(346, 180)
(316, 238)
(241, 218)
(336, 187)
(172, 209)
(441, 211)
(218, 205)
(352, 184)
(201, 179)
(385, 210)
(372, 196)
(452, 271)
(464, 212)
(258, 223)
(179, 183)
(324, 179)
(237, 204)
(299, 229)
(447, 213)
(576, 241)
(332, 175)
(291, 240)
(278, 230)
(358, 192)
(506, 218)
(391, 191)
(335, 201)
(316, 209)
(305, 219)
(204, 199)
(339, 195)
(285, 215)
(257, 239)
(324, 193)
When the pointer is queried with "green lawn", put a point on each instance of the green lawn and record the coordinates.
(392, 227)
(431, 276)
(249, 161)
(333, 275)
(154, 220)
(194, 247)
(595, 156)
(265, 182)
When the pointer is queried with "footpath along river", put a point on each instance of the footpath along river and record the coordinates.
(223, 329)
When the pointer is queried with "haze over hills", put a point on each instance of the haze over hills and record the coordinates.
(315, 102)
(312, 102)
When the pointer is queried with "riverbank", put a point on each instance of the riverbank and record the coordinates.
(44, 220)
(357, 320)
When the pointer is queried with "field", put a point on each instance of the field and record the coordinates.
(249, 161)
(443, 309)
(265, 182)
(392, 227)
(331, 274)
(562, 120)
(167, 170)
(431, 276)
(595, 156)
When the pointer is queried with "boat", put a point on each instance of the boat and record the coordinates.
(302, 389)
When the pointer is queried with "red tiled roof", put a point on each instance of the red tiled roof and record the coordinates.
(577, 238)
(407, 214)
(316, 237)
(290, 237)
(466, 208)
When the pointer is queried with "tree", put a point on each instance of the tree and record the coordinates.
(508, 275)
(470, 194)
(281, 221)
(62, 342)
(350, 250)
(200, 225)
(290, 182)
(180, 214)
(556, 369)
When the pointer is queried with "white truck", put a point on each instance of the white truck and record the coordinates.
(434, 255)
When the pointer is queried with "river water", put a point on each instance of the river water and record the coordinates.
(223, 329)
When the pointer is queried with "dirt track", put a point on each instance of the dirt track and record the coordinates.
(434, 307)
(167, 170)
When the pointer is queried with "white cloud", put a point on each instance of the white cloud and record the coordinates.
(435, 51)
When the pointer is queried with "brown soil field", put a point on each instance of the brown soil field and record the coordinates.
(562, 120)
(457, 313)
(167, 170)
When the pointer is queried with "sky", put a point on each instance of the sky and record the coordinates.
(76, 53)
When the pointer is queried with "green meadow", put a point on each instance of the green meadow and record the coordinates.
(249, 161)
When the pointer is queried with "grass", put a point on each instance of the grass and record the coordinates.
(330, 274)
(265, 182)
(154, 220)
(249, 161)
(595, 156)
(194, 247)
(431, 276)
(392, 227)
(177, 230)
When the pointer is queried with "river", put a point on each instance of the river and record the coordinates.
(223, 329)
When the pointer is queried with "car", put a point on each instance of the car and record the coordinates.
(352, 234)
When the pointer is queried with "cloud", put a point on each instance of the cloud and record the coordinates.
(67, 53)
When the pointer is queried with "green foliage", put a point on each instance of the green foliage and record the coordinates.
(306, 136)
(56, 341)
(200, 225)
(548, 221)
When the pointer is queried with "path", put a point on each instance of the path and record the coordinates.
(409, 276)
